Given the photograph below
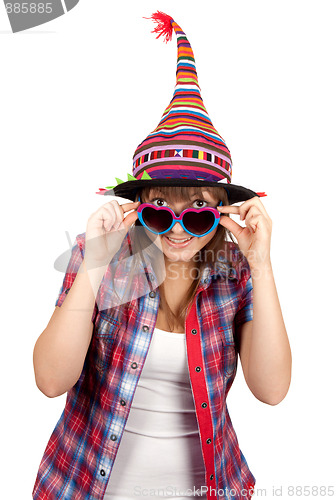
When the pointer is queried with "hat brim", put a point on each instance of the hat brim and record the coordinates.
(129, 189)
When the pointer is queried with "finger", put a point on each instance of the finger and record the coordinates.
(113, 215)
(108, 217)
(252, 223)
(228, 209)
(257, 222)
(133, 212)
(255, 201)
(126, 207)
(231, 225)
(119, 213)
(252, 211)
(129, 220)
(103, 219)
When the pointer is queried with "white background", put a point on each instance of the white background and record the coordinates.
(77, 96)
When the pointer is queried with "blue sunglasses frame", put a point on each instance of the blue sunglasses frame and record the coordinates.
(179, 218)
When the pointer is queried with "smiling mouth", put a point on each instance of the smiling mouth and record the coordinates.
(177, 243)
(175, 240)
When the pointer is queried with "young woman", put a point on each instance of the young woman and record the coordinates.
(155, 308)
(147, 459)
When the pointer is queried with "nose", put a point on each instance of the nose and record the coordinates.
(177, 228)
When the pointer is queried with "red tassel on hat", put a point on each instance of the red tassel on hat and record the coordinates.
(164, 26)
(262, 194)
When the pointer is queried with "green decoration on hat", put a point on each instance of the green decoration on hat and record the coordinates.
(145, 175)
(131, 178)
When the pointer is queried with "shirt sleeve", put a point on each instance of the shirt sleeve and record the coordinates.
(76, 258)
(244, 312)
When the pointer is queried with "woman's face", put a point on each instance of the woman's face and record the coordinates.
(176, 244)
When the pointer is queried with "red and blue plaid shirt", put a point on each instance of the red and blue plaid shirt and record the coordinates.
(82, 449)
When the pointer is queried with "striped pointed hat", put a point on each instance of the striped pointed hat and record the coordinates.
(185, 148)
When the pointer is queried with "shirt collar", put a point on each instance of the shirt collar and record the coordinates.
(220, 269)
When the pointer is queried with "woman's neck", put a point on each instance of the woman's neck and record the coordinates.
(176, 286)
(180, 271)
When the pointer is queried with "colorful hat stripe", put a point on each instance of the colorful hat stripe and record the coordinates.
(186, 134)
(182, 142)
(177, 151)
(187, 168)
(173, 157)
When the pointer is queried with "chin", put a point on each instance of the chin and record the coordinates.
(185, 252)
(179, 256)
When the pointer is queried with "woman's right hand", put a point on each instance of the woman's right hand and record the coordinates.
(105, 230)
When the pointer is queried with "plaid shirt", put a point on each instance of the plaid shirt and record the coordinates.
(81, 451)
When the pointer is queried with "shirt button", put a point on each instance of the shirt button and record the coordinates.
(102, 472)
(151, 277)
(134, 365)
(206, 280)
(152, 295)
(122, 402)
(212, 476)
(67, 290)
(198, 368)
(204, 405)
(194, 331)
(113, 437)
(145, 328)
(208, 441)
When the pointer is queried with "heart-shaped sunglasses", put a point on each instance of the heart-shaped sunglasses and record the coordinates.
(195, 221)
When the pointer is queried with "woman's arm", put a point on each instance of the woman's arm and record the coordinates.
(264, 347)
(265, 352)
(60, 350)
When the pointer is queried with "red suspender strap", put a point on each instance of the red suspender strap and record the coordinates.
(201, 398)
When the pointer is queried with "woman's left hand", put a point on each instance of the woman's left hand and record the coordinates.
(254, 240)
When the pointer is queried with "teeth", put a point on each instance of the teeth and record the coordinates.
(179, 241)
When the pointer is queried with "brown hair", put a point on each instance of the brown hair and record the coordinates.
(208, 254)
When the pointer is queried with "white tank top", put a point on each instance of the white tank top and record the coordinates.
(160, 451)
